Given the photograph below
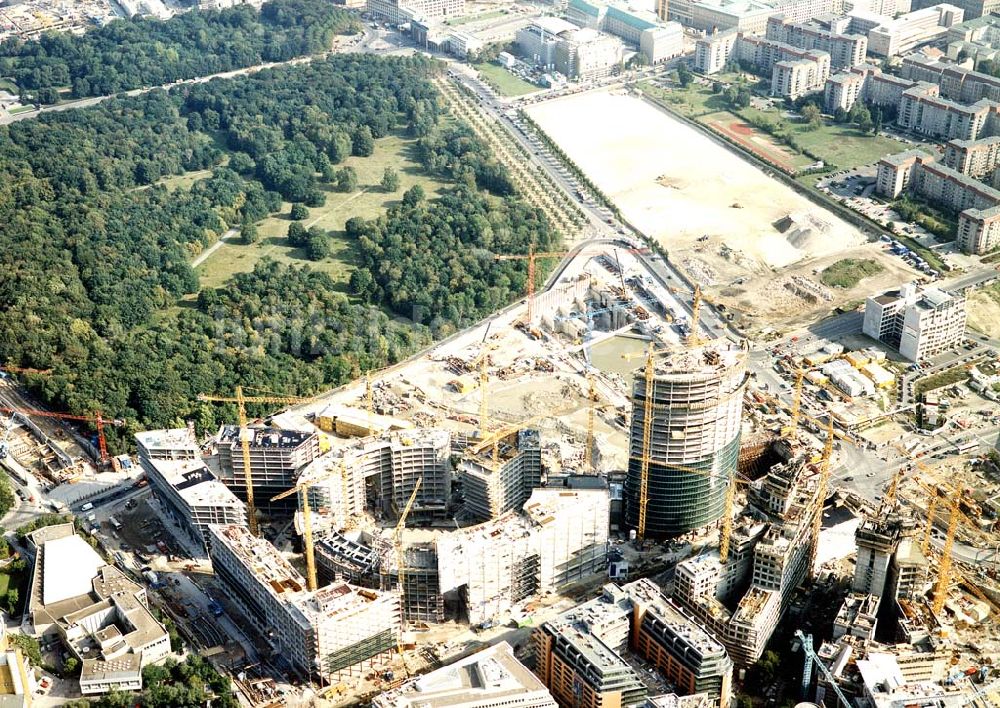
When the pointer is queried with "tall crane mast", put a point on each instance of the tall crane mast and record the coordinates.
(531, 256)
(397, 543)
(588, 451)
(647, 434)
(821, 490)
(812, 659)
(241, 401)
(944, 565)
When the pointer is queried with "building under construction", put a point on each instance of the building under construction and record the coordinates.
(482, 573)
(498, 476)
(276, 457)
(379, 473)
(769, 557)
(328, 632)
(696, 407)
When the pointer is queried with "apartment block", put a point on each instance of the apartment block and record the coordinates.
(328, 632)
(894, 172)
(842, 91)
(975, 158)
(712, 52)
(491, 678)
(979, 230)
(499, 476)
(796, 78)
(978, 37)
(276, 457)
(919, 323)
(845, 50)
(923, 111)
(580, 654)
(950, 189)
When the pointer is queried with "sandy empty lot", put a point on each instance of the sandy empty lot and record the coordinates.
(721, 219)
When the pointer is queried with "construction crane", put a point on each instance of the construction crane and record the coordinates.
(822, 487)
(588, 451)
(397, 544)
(241, 402)
(530, 257)
(793, 423)
(811, 660)
(97, 419)
(369, 401)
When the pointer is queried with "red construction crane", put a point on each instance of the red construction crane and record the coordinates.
(98, 420)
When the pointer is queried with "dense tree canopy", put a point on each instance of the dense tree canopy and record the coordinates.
(96, 250)
(142, 52)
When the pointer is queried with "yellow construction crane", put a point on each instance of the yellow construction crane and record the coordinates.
(793, 423)
(588, 451)
(944, 565)
(397, 543)
(302, 488)
(241, 400)
(822, 487)
(694, 337)
(530, 257)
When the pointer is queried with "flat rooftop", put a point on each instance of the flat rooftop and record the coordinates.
(266, 437)
(195, 483)
(492, 676)
(682, 624)
(168, 439)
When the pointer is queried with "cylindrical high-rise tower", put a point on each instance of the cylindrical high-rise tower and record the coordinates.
(697, 411)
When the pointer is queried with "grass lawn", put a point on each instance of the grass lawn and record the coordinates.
(945, 378)
(475, 18)
(8, 86)
(21, 109)
(504, 82)
(848, 272)
(184, 181)
(368, 202)
(694, 101)
(4, 584)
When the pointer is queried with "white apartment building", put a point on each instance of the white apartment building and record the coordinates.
(794, 79)
(979, 230)
(918, 323)
(845, 50)
(712, 52)
(327, 632)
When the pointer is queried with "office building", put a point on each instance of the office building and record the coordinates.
(892, 37)
(395, 12)
(845, 50)
(276, 457)
(745, 16)
(492, 486)
(329, 632)
(581, 654)
(491, 678)
(587, 54)
(919, 323)
(769, 559)
(101, 617)
(192, 496)
(876, 537)
(696, 407)
(537, 42)
(656, 39)
(971, 9)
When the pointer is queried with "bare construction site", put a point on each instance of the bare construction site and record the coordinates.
(753, 243)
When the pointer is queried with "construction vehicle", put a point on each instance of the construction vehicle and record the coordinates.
(530, 257)
(97, 419)
(241, 401)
